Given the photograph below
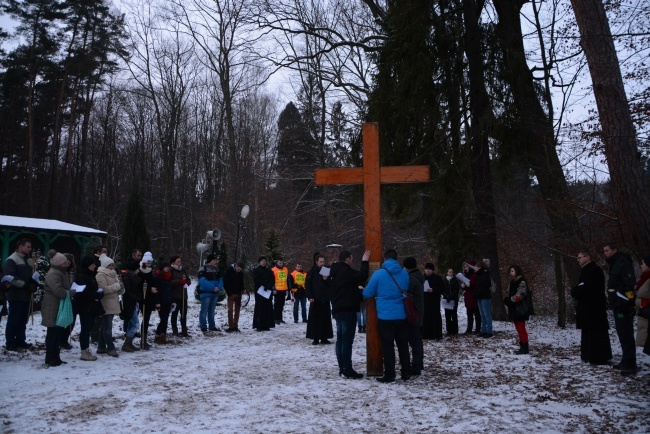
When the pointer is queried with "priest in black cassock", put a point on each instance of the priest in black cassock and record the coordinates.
(591, 312)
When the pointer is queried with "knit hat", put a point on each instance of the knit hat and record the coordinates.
(471, 262)
(410, 263)
(105, 260)
(429, 266)
(163, 264)
(211, 257)
(147, 257)
(58, 260)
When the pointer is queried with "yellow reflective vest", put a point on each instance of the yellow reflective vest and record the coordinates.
(299, 279)
(281, 278)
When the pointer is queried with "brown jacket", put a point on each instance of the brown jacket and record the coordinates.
(57, 283)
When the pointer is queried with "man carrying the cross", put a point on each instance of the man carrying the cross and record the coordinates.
(388, 285)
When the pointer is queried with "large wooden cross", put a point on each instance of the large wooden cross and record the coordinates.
(371, 175)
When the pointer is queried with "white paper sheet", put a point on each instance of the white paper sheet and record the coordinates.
(324, 271)
(77, 288)
(462, 278)
(427, 287)
(266, 293)
(448, 304)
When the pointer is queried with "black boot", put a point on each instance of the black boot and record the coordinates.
(523, 348)
(470, 324)
(51, 359)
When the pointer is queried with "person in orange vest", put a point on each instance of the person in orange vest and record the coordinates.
(282, 286)
(298, 295)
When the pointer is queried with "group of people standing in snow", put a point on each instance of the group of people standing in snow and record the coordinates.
(99, 292)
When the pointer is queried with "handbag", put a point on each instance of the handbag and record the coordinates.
(409, 304)
(64, 316)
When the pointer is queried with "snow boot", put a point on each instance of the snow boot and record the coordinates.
(523, 348)
(51, 359)
(127, 347)
(87, 355)
(135, 347)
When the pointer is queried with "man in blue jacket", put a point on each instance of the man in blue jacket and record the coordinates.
(389, 285)
(210, 284)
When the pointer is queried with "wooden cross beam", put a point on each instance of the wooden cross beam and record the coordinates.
(372, 175)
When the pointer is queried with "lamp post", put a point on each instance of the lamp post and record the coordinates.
(243, 214)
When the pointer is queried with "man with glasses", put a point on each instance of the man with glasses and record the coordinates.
(591, 312)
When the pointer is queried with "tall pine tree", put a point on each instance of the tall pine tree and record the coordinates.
(135, 234)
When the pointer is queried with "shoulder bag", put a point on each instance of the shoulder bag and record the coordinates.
(409, 304)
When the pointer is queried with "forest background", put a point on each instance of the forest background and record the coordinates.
(158, 120)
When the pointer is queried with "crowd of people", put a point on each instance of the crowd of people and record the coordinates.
(99, 292)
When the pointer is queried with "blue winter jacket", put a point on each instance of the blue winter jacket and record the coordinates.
(209, 279)
(390, 300)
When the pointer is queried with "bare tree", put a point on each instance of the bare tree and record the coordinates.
(629, 193)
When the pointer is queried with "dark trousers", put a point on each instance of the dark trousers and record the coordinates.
(146, 316)
(16, 323)
(86, 320)
(473, 314)
(105, 336)
(346, 326)
(94, 332)
(391, 332)
(417, 348)
(625, 330)
(181, 306)
(163, 313)
(52, 339)
(300, 301)
(278, 305)
(451, 320)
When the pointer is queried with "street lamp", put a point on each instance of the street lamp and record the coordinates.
(243, 214)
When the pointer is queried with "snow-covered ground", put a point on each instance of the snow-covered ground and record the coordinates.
(277, 381)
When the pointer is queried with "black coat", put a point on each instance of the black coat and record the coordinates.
(263, 314)
(483, 284)
(416, 289)
(316, 287)
(621, 280)
(132, 294)
(233, 282)
(345, 281)
(513, 288)
(591, 302)
(88, 301)
(451, 290)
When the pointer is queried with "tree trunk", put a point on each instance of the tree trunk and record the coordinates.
(629, 194)
(539, 152)
(482, 178)
(561, 293)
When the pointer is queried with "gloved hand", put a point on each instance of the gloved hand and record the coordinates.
(121, 290)
(100, 294)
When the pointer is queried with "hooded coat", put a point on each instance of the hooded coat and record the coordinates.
(390, 299)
